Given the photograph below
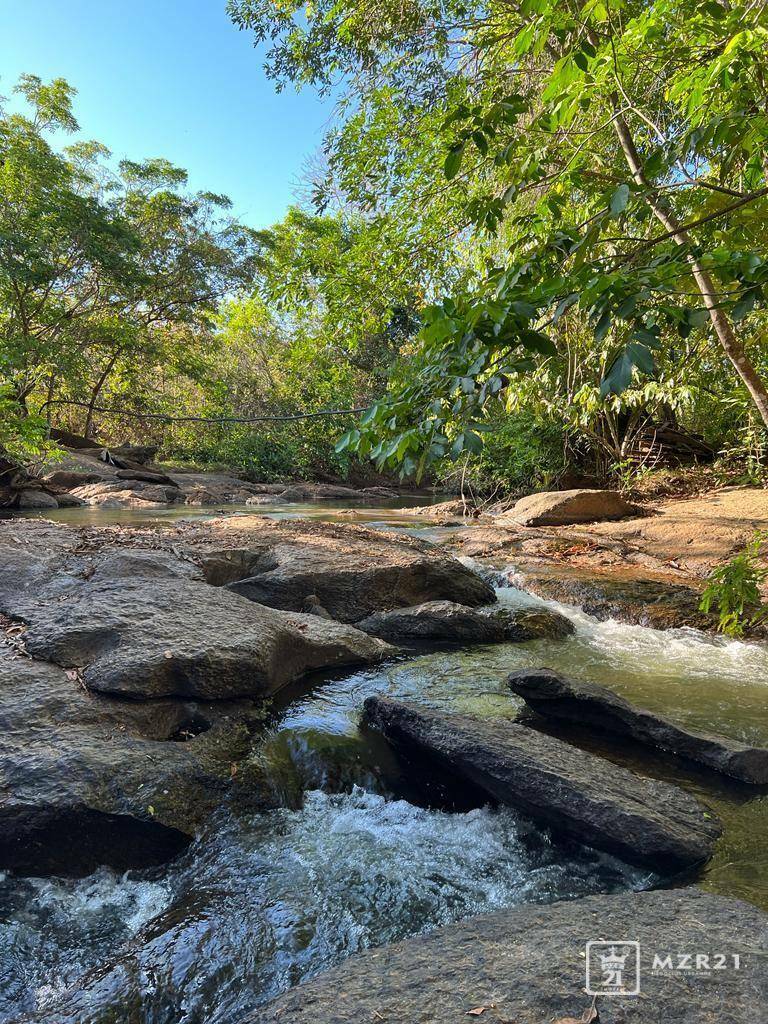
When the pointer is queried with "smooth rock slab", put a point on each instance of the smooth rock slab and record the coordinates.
(450, 622)
(353, 571)
(575, 793)
(588, 704)
(560, 508)
(127, 494)
(142, 626)
(526, 966)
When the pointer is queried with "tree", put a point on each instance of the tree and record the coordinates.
(104, 273)
(609, 158)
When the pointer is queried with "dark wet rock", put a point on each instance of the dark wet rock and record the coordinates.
(526, 965)
(456, 623)
(631, 598)
(587, 704)
(69, 478)
(267, 488)
(559, 508)
(141, 626)
(67, 500)
(353, 571)
(312, 492)
(380, 492)
(312, 606)
(150, 476)
(213, 489)
(88, 780)
(577, 794)
(79, 469)
(30, 498)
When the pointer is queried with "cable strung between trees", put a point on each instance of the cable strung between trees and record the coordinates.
(165, 418)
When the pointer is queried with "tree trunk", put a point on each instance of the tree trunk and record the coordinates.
(88, 430)
(726, 335)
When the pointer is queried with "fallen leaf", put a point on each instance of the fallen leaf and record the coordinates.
(479, 1009)
(589, 1016)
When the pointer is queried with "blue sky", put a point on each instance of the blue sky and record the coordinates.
(172, 78)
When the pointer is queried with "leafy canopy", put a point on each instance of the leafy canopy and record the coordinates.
(600, 162)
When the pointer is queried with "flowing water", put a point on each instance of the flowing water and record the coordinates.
(356, 855)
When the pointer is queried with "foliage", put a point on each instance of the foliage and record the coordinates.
(333, 305)
(521, 453)
(22, 438)
(105, 274)
(599, 163)
(733, 590)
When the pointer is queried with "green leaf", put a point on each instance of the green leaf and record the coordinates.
(641, 356)
(537, 342)
(453, 161)
(745, 305)
(627, 307)
(618, 377)
(603, 326)
(619, 200)
(580, 60)
(480, 141)
(473, 442)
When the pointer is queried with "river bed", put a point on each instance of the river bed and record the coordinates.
(357, 855)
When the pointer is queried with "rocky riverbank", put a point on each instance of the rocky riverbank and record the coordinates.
(127, 478)
(527, 966)
(143, 658)
(135, 680)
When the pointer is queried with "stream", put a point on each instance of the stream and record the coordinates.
(357, 855)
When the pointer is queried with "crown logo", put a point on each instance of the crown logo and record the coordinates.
(613, 960)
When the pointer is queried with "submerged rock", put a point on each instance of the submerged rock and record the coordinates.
(588, 704)
(527, 965)
(560, 508)
(577, 794)
(456, 623)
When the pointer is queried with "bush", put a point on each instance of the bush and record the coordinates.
(733, 590)
(522, 452)
(266, 453)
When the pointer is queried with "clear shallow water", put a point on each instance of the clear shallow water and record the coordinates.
(261, 902)
(371, 512)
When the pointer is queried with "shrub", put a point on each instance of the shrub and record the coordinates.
(733, 590)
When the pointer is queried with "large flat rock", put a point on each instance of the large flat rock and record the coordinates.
(142, 625)
(577, 794)
(560, 508)
(351, 571)
(527, 966)
(588, 704)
